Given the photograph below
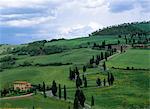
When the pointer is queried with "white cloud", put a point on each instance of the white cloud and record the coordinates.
(93, 3)
(66, 18)
(27, 22)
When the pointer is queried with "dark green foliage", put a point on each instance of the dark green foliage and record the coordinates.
(106, 54)
(54, 88)
(92, 60)
(111, 79)
(118, 42)
(44, 90)
(54, 49)
(97, 62)
(81, 97)
(72, 74)
(119, 36)
(103, 44)
(102, 56)
(104, 66)
(59, 91)
(121, 49)
(76, 71)
(92, 101)
(7, 59)
(85, 82)
(26, 63)
(65, 93)
(108, 79)
(75, 104)
(78, 81)
(7, 62)
(84, 68)
(98, 82)
(4, 92)
(38, 48)
(104, 82)
(123, 29)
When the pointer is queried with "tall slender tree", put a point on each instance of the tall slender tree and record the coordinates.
(98, 81)
(102, 56)
(84, 68)
(106, 56)
(54, 88)
(108, 78)
(104, 82)
(85, 82)
(82, 98)
(111, 79)
(44, 93)
(78, 81)
(65, 93)
(104, 66)
(92, 101)
(121, 49)
(75, 104)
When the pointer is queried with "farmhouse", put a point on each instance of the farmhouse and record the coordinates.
(22, 85)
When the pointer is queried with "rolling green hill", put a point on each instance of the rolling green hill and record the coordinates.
(131, 87)
(124, 29)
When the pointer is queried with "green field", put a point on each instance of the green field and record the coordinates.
(38, 101)
(75, 56)
(138, 58)
(73, 43)
(130, 89)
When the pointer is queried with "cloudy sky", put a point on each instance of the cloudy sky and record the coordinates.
(24, 21)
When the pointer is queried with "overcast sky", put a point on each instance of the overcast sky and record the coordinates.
(23, 21)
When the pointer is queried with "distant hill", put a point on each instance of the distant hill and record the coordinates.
(123, 29)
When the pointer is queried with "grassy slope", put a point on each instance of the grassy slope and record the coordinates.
(36, 75)
(76, 56)
(137, 58)
(38, 101)
(130, 89)
(47, 74)
(83, 41)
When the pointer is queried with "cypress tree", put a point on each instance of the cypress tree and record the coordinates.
(98, 81)
(104, 82)
(118, 42)
(102, 57)
(108, 78)
(111, 78)
(84, 68)
(70, 74)
(65, 93)
(44, 90)
(78, 81)
(54, 88)
(82, 98)
(104, 66)
(59, 91)
(85, 82)
(92, 101)
(97, 62)
(106, 56)
(76, 71)
(121, 49)
(75, 104)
